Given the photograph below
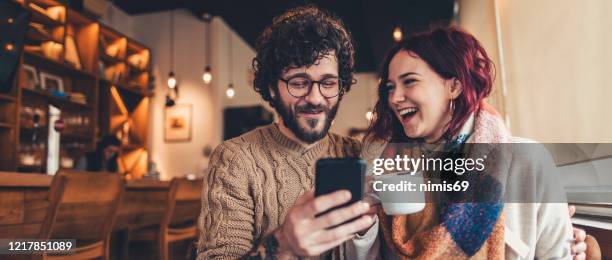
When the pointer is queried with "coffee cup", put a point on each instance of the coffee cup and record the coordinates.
(399, 193)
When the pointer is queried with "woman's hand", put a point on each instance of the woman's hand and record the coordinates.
(303, 234)
(579, 247)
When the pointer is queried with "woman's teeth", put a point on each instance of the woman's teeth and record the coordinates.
(405, 112)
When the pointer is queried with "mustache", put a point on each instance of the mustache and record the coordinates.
(310, 108)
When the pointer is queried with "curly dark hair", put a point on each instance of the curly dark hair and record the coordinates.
(300, 37)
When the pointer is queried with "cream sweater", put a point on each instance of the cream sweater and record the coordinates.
(251, 183)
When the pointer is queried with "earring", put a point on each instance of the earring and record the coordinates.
(451, 106)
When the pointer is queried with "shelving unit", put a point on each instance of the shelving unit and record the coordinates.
(9, 103)
(105, 77)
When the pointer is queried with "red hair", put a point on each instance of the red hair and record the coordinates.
(451, 53)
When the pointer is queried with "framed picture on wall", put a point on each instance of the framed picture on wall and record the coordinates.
(51, 82)
(178, 123)
(31, 80)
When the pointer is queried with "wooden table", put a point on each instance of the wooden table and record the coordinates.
(24, 204)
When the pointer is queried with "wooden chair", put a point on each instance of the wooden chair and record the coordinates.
(180, 221)
(83, 206)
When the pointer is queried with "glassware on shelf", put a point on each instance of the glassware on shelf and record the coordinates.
(32, 117)
(31, 154)
(78, 124)
(26, 155)
(66, 160)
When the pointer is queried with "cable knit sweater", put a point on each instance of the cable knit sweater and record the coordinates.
(251, 183)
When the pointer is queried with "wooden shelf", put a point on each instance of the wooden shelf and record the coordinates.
(60, 100)
(48, 2)
(49, 64)
(109, 59)
(40, 17)
(134, 90)
(30, 130)
(135, 69)
(75, 137)
(93, 41)
(37, 37)
(4, 97)
(6, 125)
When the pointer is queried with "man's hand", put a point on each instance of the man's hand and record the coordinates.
(303, 234)
(579, 247)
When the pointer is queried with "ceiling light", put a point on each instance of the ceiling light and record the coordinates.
(397, 34)
(171, 80)
(171, 77)
(207, 76)
(230, 92)
(369, 115)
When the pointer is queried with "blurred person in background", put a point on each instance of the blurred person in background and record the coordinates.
(103, 158)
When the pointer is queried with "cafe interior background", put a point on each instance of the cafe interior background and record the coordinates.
(95, 67)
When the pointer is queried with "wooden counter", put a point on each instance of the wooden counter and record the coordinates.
(24, 204)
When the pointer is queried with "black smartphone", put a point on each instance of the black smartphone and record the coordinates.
(333, 174)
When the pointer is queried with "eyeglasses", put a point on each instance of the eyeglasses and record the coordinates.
(299, 86)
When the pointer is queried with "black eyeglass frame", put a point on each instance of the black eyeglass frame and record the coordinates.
(312, 82)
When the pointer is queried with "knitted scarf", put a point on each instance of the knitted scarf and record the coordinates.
(457, 229)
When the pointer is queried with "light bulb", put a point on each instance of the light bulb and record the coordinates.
(171, 80)
(369, 115)
(397, 34)
(230, 92)
(207, 76)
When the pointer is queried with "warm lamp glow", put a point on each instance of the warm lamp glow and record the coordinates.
(230, 92)
(171, 80)
(207, 76)
(369, 115)
(397, 34)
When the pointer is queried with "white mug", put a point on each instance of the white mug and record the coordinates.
(400, 202)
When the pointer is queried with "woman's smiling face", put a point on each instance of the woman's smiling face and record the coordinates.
(419, 97)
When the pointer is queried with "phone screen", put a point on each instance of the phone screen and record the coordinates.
(333, 174)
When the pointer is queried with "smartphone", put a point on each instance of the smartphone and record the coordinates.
(333, 174)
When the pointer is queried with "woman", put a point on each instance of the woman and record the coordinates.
(431, 100)
(104, 158)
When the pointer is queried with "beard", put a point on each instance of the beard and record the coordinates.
(308, 132)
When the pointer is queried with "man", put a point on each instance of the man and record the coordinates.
(257, 200)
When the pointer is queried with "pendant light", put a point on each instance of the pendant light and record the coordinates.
(397, 34)
(207, 75)
(230, 92)
(369, 115)
(171, 76)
